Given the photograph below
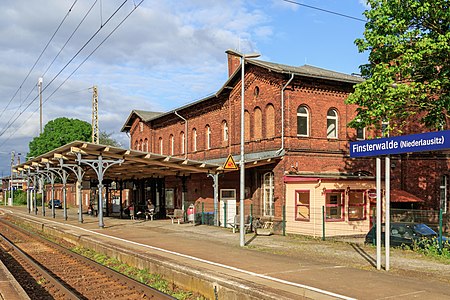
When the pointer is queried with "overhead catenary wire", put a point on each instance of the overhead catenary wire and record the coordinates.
(73, 72)
(39, 57)
(326, 10)
(70, 37)
(68, 63)
(54, 59)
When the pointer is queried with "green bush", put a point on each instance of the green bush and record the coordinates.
(431, 248)
(20, 197)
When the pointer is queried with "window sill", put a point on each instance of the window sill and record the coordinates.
(334, 220)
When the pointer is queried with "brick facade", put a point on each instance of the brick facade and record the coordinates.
(315, 153)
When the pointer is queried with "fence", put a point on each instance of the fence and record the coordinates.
(428, 217)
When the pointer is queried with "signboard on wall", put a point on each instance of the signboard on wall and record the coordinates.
(430, 141)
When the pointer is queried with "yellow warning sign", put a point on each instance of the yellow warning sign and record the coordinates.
(230, 164)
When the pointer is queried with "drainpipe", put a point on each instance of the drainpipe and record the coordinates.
(185, 134)
(282, 113)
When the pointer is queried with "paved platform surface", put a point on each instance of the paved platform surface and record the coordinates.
(9, 287)
(266, 260)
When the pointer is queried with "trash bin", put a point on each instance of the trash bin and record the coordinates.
(191, 213)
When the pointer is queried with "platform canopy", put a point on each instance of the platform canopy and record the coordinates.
(135, 165)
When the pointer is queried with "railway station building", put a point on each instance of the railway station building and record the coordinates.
(298, 172)
(297, 160)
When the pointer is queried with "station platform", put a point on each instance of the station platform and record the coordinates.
(276, 267)
(9, 287)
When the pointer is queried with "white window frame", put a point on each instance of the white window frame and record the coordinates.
(194, 140)
(208, 137)
(363, 133)
(161, 145)
(225, 131)
(268, 203)
(303, 115)
(183, 142)
(385, 129)
(335, 121)
(172, 144)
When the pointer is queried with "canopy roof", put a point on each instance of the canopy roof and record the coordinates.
(135, 165)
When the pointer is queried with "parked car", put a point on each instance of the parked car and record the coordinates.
(404, 234)
(56, 202)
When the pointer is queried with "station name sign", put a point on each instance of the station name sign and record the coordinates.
(430, 141)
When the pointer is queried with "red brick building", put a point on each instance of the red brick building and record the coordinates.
(296, 149)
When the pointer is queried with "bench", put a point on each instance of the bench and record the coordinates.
(178, 215)
(264, 228)
(236, 223)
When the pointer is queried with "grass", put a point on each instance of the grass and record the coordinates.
(141, 275)
(431, 249)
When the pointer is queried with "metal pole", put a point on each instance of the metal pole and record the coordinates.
(224, 214)
(323, 223)
(80, 198)
(35, 184)
(11, 193)
(216, 199)
(64, 200)
(52, 196)
(387, 228)
(28, 194)
(440, 229)
(242, 160)
(42, 187)
(40, 80)
(378, 225)
(100, 191)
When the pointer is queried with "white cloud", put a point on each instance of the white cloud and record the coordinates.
(167, 53)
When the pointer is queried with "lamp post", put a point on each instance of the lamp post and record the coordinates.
(11, 193)
(242, 161)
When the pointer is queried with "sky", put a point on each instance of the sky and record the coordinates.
(150, 55)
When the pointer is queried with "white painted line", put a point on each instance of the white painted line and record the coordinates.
(307, 269)
(206, 261)
(403, 295)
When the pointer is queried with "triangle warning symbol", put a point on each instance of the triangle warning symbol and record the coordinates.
(230, 164)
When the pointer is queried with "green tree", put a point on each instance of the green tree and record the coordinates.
(408, 74)
(59, 132)
(106, 139)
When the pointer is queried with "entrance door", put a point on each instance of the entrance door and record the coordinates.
(228, 212)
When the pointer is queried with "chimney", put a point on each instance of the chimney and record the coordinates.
(233, 62)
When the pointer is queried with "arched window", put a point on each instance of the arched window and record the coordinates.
(332, 124)
(225, 131)
(145, 145)
(247, 125)
(270, 121)
(268, 187)
(136, 145)
(194, 140)
(161, 145)
(257, 129)
(302, 121)
(208, 137)
(141, 145)
(172, 144)
(182, 142)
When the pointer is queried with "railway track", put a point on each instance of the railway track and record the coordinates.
(46, 270)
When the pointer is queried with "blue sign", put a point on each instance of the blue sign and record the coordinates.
(430, 141)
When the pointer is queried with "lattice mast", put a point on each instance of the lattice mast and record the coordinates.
(95, 130)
